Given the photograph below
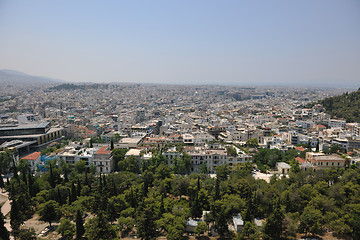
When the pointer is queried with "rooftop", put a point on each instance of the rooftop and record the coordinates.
(32, 156)
(103, 150)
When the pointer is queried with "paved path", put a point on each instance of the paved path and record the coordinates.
(5, 210)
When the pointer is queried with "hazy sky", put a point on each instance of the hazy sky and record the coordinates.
(299, 42)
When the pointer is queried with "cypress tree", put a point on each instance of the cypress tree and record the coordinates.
(16, 217)
(198, 184)
(2, 184)
(101, 184)
(60, 200)
(86, 177)
(73, 192)
(30, 185)
(79, 225)
(52, 182)
(4, 233)
(14, 169)
(70, 199)
(104, 180)
(217, 189)
(78, 188)
(7, 181)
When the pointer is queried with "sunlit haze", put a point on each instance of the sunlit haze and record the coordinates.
(293, 43)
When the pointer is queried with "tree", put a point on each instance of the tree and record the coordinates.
(4, 233)
(27, 234)
(24, 167)
(130, 164)
(310, 220)
(196, 209)
(16, 217)
(125, 225)
(49, 211)
(252, 143)
(66, 169)
(200, 228)
(249, 232)
(80, 230)
(66, 228)
(274, 223)
(99, 228)
(176, 232)
(80, 166)
(221, 225)
(5, 161)
(112, 144)
(222, 172)
(231, 151)
(146, 223)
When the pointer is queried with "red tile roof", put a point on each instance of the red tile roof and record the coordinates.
(301, 149)
(32, 156)
(300, 160)
(103, 150)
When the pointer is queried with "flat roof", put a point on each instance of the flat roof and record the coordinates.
(24, 126)
(51, 130)
(130, 140)
(133, 152)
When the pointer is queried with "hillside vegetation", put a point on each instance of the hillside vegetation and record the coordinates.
(346, 106)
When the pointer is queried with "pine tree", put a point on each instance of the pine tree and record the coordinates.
(79, 225)
(146, 223)
(274, 223)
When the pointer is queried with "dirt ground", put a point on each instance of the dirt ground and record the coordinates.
(2, 199)
(39, 226)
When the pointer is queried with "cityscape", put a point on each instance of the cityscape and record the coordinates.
(192, 120)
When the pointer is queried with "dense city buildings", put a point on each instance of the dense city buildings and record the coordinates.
(115, 144)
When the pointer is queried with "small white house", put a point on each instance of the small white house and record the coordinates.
(33, 159)
(283, 167)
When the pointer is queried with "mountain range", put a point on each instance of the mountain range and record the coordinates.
(16, 78)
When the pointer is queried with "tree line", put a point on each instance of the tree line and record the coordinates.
(152, 201)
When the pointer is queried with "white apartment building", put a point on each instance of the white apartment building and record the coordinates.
(103, 160)
(72, 155)
(210, 157)
(335, 123)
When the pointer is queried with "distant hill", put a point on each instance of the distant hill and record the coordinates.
(346, 106)
(16, 77)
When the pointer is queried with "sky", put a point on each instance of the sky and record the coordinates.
(232, 42)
